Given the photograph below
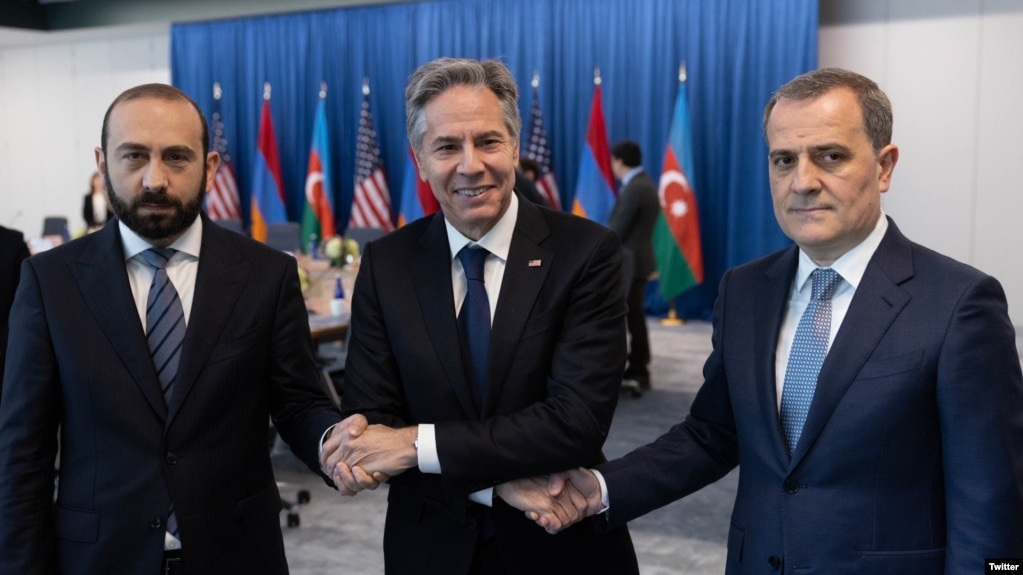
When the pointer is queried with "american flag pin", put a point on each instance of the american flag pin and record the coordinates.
(534, 263)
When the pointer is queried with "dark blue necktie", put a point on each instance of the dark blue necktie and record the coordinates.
(474, 320)
(809, 347)
(165, 331)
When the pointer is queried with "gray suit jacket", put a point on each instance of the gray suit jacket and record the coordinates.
(80, 363)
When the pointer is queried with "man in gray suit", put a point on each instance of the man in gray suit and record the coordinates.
(633, 217)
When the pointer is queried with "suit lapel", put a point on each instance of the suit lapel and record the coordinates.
(874, 307)
(221, 272)
(103, 281)
(524, 274)
(431, 275)
(769, 312)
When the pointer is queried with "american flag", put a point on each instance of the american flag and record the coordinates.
(222, 203)
(539, 150)
(372, 205)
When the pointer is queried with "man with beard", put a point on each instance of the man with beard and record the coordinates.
(156, 349)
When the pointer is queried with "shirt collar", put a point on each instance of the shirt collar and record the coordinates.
(189, 242)
(497, 241)
(852, 264)
(631, 174)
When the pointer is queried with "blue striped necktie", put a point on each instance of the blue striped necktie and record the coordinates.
(474, 319)
(809, 347)
(165, 331)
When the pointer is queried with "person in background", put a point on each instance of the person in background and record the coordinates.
(456, 425)
(870, 387)
(13, 250)
(95, 208)
(633, 217)
(156, 350)
(529, 168)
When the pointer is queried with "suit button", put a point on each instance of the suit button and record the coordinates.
(774, 562)
(156, 522)
(791, 485)
(471, 524)
(171, 458)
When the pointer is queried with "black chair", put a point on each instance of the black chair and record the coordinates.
(231, 224)
(56, 226)
(285, 236)
(362, 236)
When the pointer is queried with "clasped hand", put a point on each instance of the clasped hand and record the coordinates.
(555, 503)
(360, 456)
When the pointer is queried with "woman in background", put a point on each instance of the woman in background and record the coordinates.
(95, 209)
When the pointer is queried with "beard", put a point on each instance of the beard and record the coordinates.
(154, 227)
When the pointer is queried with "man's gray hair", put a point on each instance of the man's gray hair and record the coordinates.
(433, 78)
(877, 109)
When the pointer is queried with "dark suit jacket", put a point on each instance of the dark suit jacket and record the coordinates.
(910, 459)
(557, 352)
(81, 361)
(89, 216)
(633, 217)
(12, 251)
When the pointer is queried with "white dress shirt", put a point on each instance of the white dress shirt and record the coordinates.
(181, 270)
(498, 242)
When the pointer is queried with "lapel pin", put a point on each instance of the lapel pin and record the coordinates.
(534, 263)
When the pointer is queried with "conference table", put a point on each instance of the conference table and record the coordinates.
(324, 325)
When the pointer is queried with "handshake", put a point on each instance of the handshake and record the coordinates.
(358, 456)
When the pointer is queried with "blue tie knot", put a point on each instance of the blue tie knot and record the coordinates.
(157, 258)
(472, 262)
(825, 280)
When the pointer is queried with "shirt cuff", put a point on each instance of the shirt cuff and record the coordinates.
(323, 438)
(426, 451)
(605, 500)
(483, 496)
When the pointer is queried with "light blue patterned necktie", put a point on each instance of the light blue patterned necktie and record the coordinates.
(165, 332)
(809, 347)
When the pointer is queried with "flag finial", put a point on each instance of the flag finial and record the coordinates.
(266, 90)
(217, 92)
(536, 79)
(365, 86)
(323, 90)
(596, 77)
(682, 71)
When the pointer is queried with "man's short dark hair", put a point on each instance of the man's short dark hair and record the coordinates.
(628, 152)
(161, 92)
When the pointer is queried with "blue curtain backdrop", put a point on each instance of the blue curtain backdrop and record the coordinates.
(737, 53)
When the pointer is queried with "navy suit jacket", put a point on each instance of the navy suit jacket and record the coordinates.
(13, 250)
(79, 360)
(557, 352)
(911, 459)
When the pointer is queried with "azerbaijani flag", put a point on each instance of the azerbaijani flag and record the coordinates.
(267, 189)
(417, 200)
(677, 232)
(594, 189)
(318, 218)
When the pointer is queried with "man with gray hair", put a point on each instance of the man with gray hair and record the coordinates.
(868, 387)
(488, 342)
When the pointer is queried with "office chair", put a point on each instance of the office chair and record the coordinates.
(56, 226)
(285, 236)
(231, 224)
(362, 236)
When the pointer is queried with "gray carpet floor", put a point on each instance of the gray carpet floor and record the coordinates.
(344, 534)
